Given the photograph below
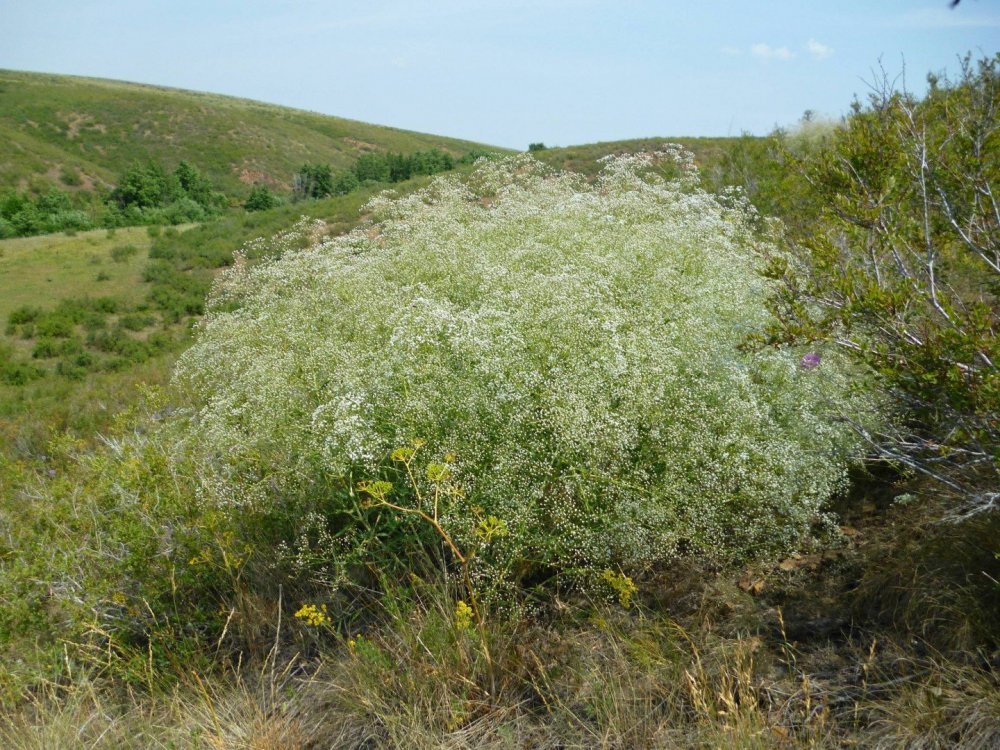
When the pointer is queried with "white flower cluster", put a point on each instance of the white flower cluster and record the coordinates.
(575, 345)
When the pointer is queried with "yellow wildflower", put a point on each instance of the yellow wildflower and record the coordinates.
(463, 616)
(312, 615)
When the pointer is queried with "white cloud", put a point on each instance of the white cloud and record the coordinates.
(819, 50)
(767, 52)
(731, 51)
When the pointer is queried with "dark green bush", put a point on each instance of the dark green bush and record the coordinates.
(121, 253)
(372, 168)
(260, 199)
(55, 326)
(345, 182)
(136, 321)
(313, 181)
(25, 314)
(45, 349)
(19, 373)
(70, 176)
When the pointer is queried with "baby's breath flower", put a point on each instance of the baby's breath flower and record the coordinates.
(578, 347)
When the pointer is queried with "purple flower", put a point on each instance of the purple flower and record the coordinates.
(810, 361)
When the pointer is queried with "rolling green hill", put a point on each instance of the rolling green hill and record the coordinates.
(585, 158)
(92, 129)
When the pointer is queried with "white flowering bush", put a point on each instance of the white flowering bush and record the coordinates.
(566, 355)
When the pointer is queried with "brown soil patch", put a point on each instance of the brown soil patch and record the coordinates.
(250, 176)
(75, 122)
(362, 145)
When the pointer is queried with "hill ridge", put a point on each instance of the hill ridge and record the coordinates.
(51, 122)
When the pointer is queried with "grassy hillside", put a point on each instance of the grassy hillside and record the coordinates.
(585, 158)
(49, 268)
(52, 124)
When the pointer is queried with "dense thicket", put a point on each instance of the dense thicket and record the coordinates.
(148, 194)
(902, 271)
(54, 211)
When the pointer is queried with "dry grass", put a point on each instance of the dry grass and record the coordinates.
(703, 664)
(615, 681)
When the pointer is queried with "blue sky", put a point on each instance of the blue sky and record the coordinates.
(509, 72)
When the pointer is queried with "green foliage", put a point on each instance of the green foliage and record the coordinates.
(23, 315)
(474, 155)
(53, 211)
(903, 273)
(70, 176)
(533, 147)
(312, 181)
(140, 499)
(570, 352)
(194, 185)
(345, 182)
(147, 194)
(260, 199)
(372, 167)
(13, 371)
(393, 167)
(121, 253)
(145, 186)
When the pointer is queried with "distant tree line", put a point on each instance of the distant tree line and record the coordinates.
(22, 215)
(149, 194)
(318, 180)
(146, 194)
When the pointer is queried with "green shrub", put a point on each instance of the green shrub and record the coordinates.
(15, 372)
(260, 199)
(121, 253)
(68, 220)
(903, 272)
(76, 366)
(45, 348)
(471, 157)
(183, 211)
(136, 321)
(373, 167)
(19, 373)
(25, 314)
(345, 182)
(561, 371)
(70, 176)
(55, 325)
(313, 181)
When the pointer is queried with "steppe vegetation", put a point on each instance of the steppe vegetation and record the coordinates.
(655, 450)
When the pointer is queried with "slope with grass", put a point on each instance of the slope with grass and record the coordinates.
(91, 129)
(586, 158)
(151, 276)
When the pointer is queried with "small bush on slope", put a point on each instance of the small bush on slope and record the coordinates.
(567, 356)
